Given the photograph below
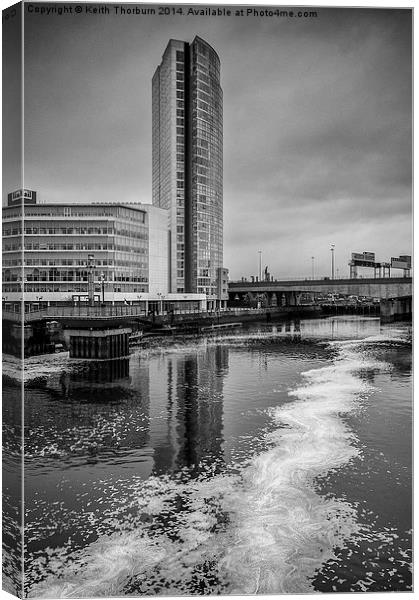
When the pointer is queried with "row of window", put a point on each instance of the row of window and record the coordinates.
(68, 262)
(17, 262)
(63, 276)
(36, 246)
(202, 76)
(86, 211)
(17, 230)
(80, 263)
(41, 287)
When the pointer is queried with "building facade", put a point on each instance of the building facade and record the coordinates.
(53, 252)
(188, 164)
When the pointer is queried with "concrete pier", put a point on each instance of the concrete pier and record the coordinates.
(99, 344)
(395, 309)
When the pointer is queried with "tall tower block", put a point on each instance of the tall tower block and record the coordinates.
(188, 162)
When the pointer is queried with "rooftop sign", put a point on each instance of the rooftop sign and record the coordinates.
(16, 197)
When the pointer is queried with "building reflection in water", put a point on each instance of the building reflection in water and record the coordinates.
(191, 434)
(97, 411)
(95, 373)
(164, 411)
(340, 327)
(287, 327)
(333, 327)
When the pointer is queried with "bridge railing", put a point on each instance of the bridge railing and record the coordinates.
(90, 312)
(320, 281)
(106, 312)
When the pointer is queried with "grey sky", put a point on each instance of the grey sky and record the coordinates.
(317, 126)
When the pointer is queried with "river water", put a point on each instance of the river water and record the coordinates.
(272, 459)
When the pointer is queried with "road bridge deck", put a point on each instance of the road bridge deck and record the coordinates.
(383, 287)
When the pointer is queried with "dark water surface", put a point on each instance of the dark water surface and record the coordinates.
(273, 459)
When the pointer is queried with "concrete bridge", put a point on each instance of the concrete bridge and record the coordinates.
(288, 293)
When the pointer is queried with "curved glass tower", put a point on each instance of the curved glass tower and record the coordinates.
(188, 163)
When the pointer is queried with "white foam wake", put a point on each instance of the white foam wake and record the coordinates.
(284, 530)
(276, 531)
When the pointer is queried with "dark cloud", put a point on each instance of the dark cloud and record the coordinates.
(317, 126)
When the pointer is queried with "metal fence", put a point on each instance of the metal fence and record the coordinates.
(88, 312)
(111, 312)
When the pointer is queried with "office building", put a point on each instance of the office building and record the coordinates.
(125, 249)
(188, 164)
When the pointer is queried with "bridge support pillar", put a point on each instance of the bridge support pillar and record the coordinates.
(99, 344)
(274, 300)
(283, 301)
(287, 299)
(291, 299)
(294, 299)
(395, 309)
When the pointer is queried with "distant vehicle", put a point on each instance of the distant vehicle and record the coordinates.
(59, 348)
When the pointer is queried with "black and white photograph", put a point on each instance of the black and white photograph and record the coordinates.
(206, 299)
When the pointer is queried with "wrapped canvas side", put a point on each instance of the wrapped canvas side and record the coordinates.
(12, 301)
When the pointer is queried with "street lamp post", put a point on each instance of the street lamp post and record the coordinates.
(160, 295)
(102, 285)
(312, 267)
(91, 278)
(332, 250)
(260, 265)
